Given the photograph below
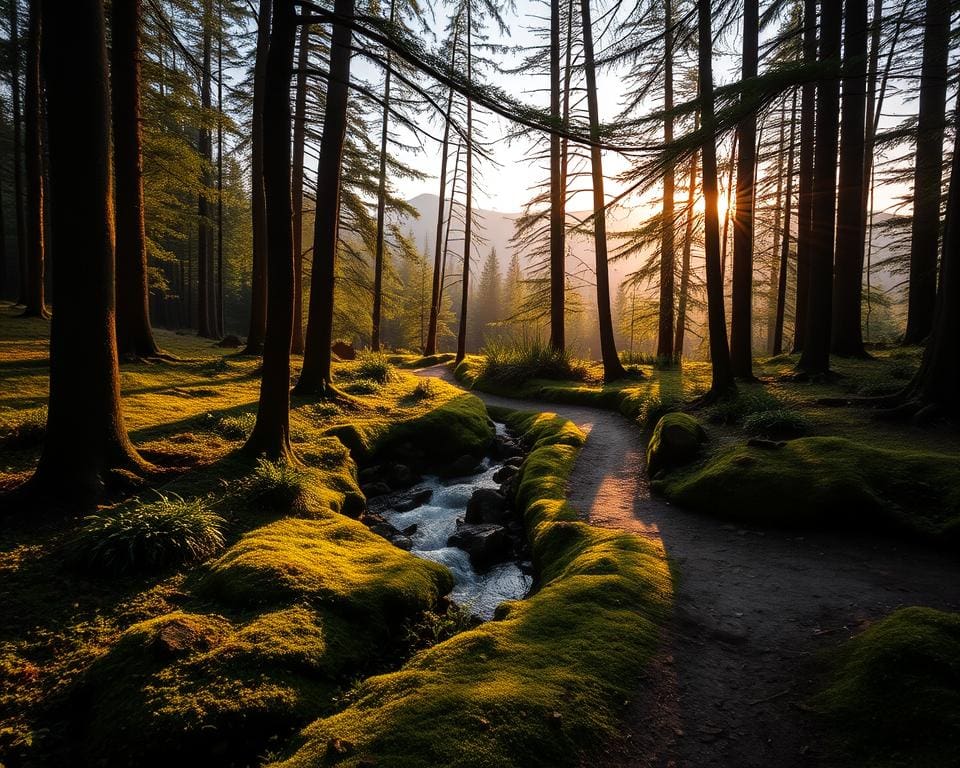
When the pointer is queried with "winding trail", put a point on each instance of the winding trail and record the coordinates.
(753, 609)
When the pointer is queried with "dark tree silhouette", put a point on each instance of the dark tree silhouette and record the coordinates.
(258, 279)
(134, 334)
(741, 310)
(558, 249)
(722, 374)
(206, 301)
(299, 141)
(86, 439)
(34, 302)
(316, 377)
(781, 309)
(815, 359)
(17, 155)
(271, 433)
(665, 338)
(681, 329)
(612, 368)
(808, 116)
(928, 174)
(847, 336)
(468, 203)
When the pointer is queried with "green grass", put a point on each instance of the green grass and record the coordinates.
(544, 682)
(826, 482)
(893, 692)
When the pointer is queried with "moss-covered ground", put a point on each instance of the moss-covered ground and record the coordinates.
(222, 659)
(543, 682)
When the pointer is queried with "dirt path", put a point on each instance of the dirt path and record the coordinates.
(753, 610)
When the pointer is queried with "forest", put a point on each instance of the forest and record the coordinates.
(480, 383)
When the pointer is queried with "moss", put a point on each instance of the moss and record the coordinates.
(676, 441)
(826, 481)
(546, 681)
(893, 695)
(331, 561)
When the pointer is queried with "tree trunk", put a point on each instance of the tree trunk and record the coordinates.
(667, 261)
(381, 203)
(35, 305)
(16, 108)
(557, 223)
(299, 141)
(438, 256)
(258, 281)
(928, 174)
(271, 433)
(315, 377)
(134, 334)
(808, 117)
(815, 359)
(685, 262)
(612, 368)
(741, 313)
(206, 309)
(722, 374)
(220, 309)
(86, 440)
(468, 211)
(785, 243)
(774, 250)
(847, 336)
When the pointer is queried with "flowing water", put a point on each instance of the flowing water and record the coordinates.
(478, 592)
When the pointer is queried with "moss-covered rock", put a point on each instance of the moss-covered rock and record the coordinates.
(826, 481)
(676, 441)
(544, 682)
(894, 692)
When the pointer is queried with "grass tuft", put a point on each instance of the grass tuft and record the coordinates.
(778, 424)
(235, 427)
(147, 537)
(373, 366)
(277, 484)
(516, 363)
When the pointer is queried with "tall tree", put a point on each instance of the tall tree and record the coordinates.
(722, 373)
(17, 119)
(299, 142)
(468, 207)
(847, 336)
(316, 374)
(258, 282)
(271, 433)
(134, 334)
(681, 327)
(665, 337)
(815, 359)
(34, 301)
(206, 299)
(741, 314)
(381, 201)
(558, 249)
(808, 116)
(86, 440)
(777, 345)
(612, 368)
(928, 174)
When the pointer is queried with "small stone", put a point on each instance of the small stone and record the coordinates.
(504, 473)
(486, 506)
(376, 489)
(339, 747)
(555, 719)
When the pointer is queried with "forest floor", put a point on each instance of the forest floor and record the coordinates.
(755, 610)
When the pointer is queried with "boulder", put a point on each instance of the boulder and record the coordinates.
(230, 341)
(486, 506)
(504, 447)
(465, 465)
(403, 501)
(505, 472)
(676, 441)
(398, 475)
(375, 489)
(343, 350)
(485, 544)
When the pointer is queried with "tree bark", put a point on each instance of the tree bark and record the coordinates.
(741, 314)
(557, 212)
(928, 174)
(722, 374)
(667, 261)
(774, 250)
(815, 359)
(685, 263)
(271, 433)
(468, 208)
(220, 310)
(847, 336)
(316, 375)
(86, 439)
(612, 368)
(808, 116)
(206, 303)
(381, 203)
(299, 141)
(258, 278)
(785, 243)
(17, 110)
(134, 334)
(34, 302)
